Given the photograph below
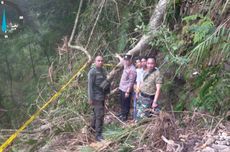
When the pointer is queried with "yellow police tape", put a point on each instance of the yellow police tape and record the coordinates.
(57, 94)
(109, 65)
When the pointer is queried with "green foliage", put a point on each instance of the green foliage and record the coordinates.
(180, 106)
(213, 91)
(199, 27)
(86, 149)
(28, 55)
(198, 44)
(220, 94)
(201, 30)
(207, 39)
(125, 148)
(122, 42)
(113, 131)
(206, 52)
(206, 73)
(168, 42)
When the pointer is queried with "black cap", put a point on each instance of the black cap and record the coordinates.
(127, 57)
(137, 58)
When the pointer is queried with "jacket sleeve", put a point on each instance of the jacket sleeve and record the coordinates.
(159, 78)
(91, 79)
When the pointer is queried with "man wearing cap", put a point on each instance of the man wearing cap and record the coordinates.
(126, 85)
(149, 90)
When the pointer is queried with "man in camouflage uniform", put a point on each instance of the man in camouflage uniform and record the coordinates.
(97, 95)
(149, 90)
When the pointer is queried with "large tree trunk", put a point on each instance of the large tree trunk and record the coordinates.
(154, 23)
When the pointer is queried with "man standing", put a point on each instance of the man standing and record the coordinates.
(97, 95)
(139, 71)
(126, 85)
(149, 88)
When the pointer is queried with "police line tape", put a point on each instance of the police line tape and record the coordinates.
(109, 65)
(37, 113)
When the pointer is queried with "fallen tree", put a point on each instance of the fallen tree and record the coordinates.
(154, 23)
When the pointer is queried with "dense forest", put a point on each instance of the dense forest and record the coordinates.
(189, 38)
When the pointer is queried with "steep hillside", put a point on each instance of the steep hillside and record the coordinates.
(190, 40)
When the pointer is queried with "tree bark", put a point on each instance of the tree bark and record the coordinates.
(154, 23)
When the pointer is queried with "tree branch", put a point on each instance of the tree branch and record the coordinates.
(95, 23)
(72, 35)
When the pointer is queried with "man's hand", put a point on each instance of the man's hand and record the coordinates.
(90, 102)
(137, 95)
(154, 105)
(106, 97)
(126, 94)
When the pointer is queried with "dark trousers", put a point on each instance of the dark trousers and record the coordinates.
(98, 117)
(134, 105)
(125, 104)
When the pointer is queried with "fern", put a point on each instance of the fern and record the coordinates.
(214, 90)
(190, 18)
(202, 29)
(220, 38)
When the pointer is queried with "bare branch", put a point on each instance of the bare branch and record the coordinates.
(95, 23)
(72, 35)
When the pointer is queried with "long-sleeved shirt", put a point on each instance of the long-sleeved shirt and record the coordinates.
(139, 77)
(95, 77)
(128, 78)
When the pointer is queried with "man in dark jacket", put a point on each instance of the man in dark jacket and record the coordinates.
(97, 95)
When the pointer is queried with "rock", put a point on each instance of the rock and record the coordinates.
(208, 149)
(227, 67)
(225, 150)
(221, 138)
(224, 134)
(220, 147)
(223, 142)
(216, 136)
(84, 130)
